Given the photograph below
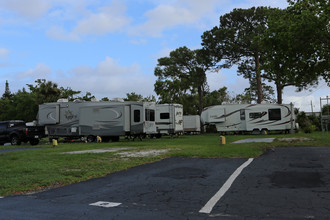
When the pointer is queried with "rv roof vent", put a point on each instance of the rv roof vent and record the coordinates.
(77, 100)
(95, 100)
(63, 100)
(117, 100)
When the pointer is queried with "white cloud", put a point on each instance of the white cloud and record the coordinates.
(100, 21)
(31, 9)
(306, 99)
(4, 53)
(41, 71)
(182, 12)
(59, 33)
(109, 79)
(109, 19)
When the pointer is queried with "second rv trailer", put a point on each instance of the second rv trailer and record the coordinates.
(169, 119)
(191, 124)
(90, 119)
(250, 117)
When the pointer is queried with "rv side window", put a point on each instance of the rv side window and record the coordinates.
(242, 114)
(255, 115)
(150, 115)
(164, 115)
(274, 114)
(137, 116)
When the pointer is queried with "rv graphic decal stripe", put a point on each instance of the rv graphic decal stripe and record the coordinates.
(229, 114)
(257, 122)
(286, 122)
(232, 125)
(289, 111)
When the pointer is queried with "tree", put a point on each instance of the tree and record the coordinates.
(237, 41)
(24, 106)
(105, 99)
(250, 94)
(7, 93)
(310, 35)
(183, 73)
(87, 97)
(217, 97)
(68, 93)
(45, 91)
(139, 98)
(296, 48)
(133, 97)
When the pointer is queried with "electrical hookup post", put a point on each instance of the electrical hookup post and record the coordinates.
(325, 116)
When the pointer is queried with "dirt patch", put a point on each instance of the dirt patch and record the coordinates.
(143, 153)
(294, 139)
(98, 151)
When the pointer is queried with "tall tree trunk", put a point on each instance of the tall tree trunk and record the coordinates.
(258, 75)
(279, 90)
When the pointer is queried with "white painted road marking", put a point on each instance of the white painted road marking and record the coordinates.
(105, 204)
(211, 203)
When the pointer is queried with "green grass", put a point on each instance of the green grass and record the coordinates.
(37, 169)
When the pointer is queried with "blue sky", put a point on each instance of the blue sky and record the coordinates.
(110, 48)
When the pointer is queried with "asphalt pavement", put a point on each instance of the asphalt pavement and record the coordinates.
(284, 183)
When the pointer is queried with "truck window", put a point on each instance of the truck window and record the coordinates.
(3, 126)
(137, 116)
(164, 115)
(274, 114)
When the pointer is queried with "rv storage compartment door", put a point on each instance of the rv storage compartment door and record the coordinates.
(216, 115)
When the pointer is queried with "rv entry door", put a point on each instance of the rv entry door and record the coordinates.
(136, 119)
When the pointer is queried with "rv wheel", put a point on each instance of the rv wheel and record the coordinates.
(264, 131)
(90, 139)
(255, 131)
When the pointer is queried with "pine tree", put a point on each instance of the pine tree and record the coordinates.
(7, 93)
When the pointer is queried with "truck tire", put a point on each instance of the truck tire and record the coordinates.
(34, 141)
(14, 140)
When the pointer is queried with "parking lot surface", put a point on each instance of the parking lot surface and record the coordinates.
(284, 183)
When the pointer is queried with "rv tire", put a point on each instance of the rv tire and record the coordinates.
(264, 131)
(90, 138)
(115, 139)
(255, 131)
(106, 138)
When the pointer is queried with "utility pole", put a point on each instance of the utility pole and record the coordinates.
(312, 107)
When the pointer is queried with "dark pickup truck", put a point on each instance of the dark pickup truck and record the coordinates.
(16, 132)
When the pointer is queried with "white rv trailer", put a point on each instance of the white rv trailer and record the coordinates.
(90, 119)
(250, 117)
(191, 124)
(169, 119)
